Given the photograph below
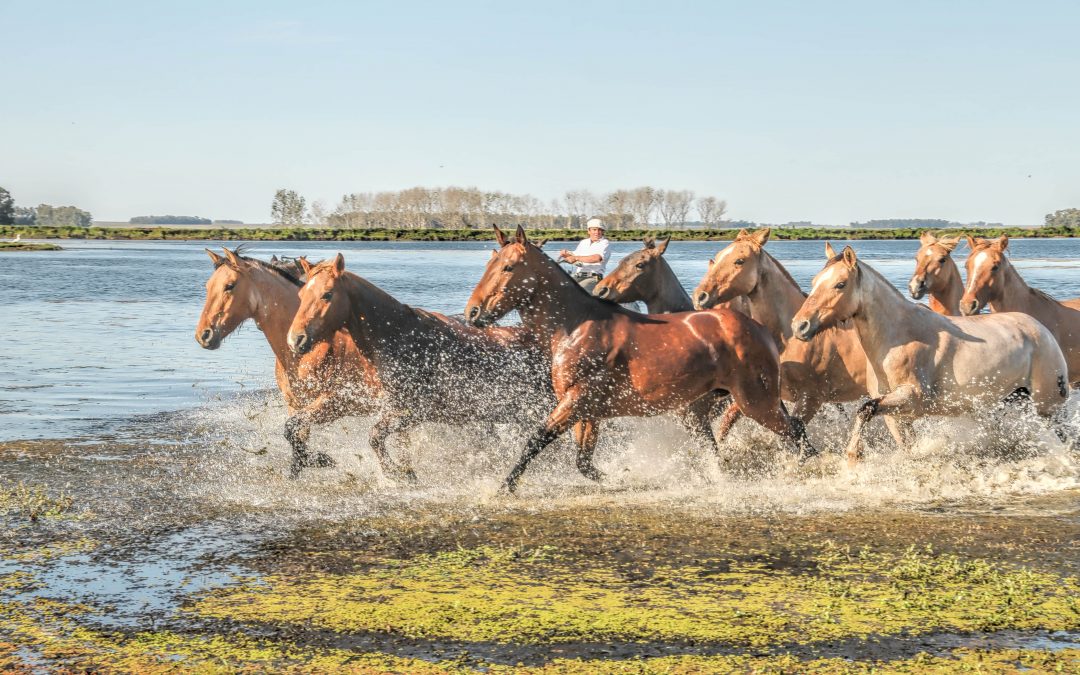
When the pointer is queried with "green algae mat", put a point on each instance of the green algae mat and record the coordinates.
(604, 588)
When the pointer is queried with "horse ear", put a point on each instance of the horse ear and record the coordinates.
(650, 242)
(215, 258)
(305, 265)
(539, 243)
(761, 236)
(972, 242)
(500, 236)
(494, 253)
(849, 257)
(1002, 242)
(662, 246)
(274, 258)
(829, 252)
(339, 264)
(710, 262)
(520, 236)
(927, 238)
(743, 234)
(948, 243)
(234, 259)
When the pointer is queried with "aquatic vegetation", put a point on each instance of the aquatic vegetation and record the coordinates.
(33, 502)
(524, 596)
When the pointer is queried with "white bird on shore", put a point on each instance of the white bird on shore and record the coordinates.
(17, 238)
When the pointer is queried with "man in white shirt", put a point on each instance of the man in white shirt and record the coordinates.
(590, 257)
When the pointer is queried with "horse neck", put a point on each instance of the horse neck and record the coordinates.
(558, 304)
(775, 299)
(276, 304)
(947, 291)
(886, 319)
(1016, 295)
(371, 307)
(664, 293)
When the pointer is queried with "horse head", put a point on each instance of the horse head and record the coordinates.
(324, 305)
(931, 264)
(734, 271)
(629, 281)
(834, 297)
(231, 299)
(986, 265)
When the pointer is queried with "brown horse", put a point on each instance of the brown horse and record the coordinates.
(936, 273)
(829, 368)
(992, 280)
(607, 361)
(645, 276)
(432, 368)
(331, 381)
(926, 363)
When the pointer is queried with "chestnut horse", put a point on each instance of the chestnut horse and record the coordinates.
(645, 276)
(936, 274)
(607, 361)
(432, 368)
(331, 381)
(992, 280)
(926, 363)
(829, 368)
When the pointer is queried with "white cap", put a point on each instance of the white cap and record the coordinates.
(595, 222)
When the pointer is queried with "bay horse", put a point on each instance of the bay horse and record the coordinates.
(431, 367)
(607, 361)
(331, 381)
(926, 363)
(645, 276)
(992, 280)
(936, 274)
(831, 368)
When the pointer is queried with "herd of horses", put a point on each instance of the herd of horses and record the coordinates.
(744, 342)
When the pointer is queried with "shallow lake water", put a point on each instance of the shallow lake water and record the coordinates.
(175, 469)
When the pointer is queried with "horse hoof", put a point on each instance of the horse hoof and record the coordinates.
(507, 489)
(592, 473)
(409, 476)
(294, 470)
(323, 461)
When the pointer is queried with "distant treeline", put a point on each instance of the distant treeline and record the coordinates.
(170, 220)
(409, 234)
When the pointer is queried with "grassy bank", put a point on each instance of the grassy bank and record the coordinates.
(332, 234)
(27, 246)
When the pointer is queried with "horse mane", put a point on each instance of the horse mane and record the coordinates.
(270, 268)
(787, 275)
(1043, 294)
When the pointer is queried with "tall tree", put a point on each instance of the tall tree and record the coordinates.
(618, 207)
(675, 206)
(642, 204)
(288, 208)
(711, 210)
(7, 208)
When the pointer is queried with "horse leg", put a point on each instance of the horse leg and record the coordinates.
(386, 425)
(773, 415)
(902, 399)
(298, 429)
(698, 421)
(557, 422)
(903, 431)
(585, 434)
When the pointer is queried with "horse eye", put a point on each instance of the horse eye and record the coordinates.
(994, 268)
(840, 285)
(739, 261)
(941, 260)
(327, 295)
(229, 287)
(640, 266)
(508, 268)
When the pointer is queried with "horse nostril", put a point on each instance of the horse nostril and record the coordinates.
(602, 292)
(206, 335)
(702, 298)
(474, 312)
(803, 328)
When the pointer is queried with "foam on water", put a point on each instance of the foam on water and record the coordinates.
(244, 463)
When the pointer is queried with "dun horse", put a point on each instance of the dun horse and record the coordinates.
(928, 364)
(936, 274)
(432, 368)
(829, 368)
(607, 361)
(331, 381)
(992, 280)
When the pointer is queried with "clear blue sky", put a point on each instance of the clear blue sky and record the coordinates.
(826, 111)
